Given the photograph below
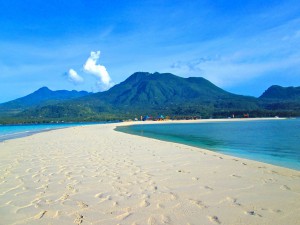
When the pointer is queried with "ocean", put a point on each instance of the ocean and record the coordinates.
(275, 142)
(17, 131)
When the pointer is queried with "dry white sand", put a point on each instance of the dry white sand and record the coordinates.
(95, 175)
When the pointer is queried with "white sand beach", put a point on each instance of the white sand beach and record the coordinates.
(95, 175)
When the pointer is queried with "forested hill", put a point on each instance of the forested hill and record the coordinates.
(158, 93)
(277, 92)
(153, 94)
(284, 99)
(160, 89)
(42, 96)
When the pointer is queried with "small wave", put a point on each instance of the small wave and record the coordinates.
(24, 133)
(12, 134)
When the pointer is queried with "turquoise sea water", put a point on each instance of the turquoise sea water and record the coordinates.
(16, 131)
(272, 141)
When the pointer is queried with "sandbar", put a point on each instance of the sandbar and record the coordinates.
(95, 175)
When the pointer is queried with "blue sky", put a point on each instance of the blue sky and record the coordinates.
(241, 46)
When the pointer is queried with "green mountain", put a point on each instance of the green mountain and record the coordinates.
(159, 89)
(284, 99)
(276, 92)
(160, 93)
(151, 94)
(43, 96)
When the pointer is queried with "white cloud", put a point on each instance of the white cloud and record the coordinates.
(97, 70)
(74, 77)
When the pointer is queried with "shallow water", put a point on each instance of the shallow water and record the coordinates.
(16, 131)
(272, 141)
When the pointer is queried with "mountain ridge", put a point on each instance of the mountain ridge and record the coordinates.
(279, 92)
(145, 85)
(41, 96)
(145, 93)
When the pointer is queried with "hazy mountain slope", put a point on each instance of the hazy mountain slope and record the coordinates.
(40, 97)
(276, 92)
(281, 98)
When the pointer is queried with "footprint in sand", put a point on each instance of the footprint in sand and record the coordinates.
(182, 171)
(72, 188)
(237, 176)
(79, 219)
(198, 203)
(40, 215)
(82, 205)
(252, 213)
(261, 167)
(173, 196)
(29, 170)
(103, 197)
(165, 219)
(44, 187)
(285, 188)
(57, 214)
(37, 181)
(151, 220)
(144, 203)
(35, 175)
(214, 219)
(233, 201)
(273, 172)
(64, 197)
(160, 206)
(275, 211)
(124, 216)
(208, 188)
(115, 204)
(268, 180)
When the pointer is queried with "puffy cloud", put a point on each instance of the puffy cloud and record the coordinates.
(74, 77)
(97, 70)
(92, 67)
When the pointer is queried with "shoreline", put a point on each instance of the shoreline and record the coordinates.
(130, 123)
(48, 127)
(94, 175)
(22, 134)
(12, 136)
(214, 150)
(207, 120)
